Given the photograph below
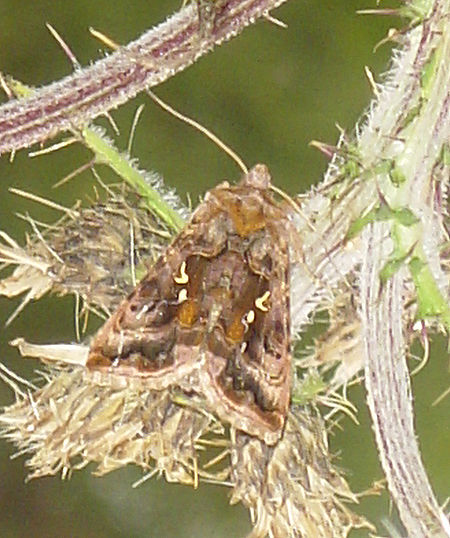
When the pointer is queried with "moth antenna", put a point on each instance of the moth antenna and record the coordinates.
(299, 211)
(290, 201)
(114, 46)
(202, 129)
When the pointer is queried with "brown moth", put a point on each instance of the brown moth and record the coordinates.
(215, 304)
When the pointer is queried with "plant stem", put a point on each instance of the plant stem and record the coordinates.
(157, 55)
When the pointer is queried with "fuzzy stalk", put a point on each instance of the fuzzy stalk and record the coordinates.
(157, 55)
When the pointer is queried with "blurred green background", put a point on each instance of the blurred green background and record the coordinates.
(267, 94)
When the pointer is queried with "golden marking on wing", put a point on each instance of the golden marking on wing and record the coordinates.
(260, 302)
(183, 278)
(182, 296)
(250, 317)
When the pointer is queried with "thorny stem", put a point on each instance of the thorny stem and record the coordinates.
(383, 306)
(389, 392)
(157, 55)
(409, 127)
(160, 203)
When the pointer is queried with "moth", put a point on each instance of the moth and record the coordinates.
(214, 308)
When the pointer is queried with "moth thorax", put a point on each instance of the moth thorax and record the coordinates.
(213, 315)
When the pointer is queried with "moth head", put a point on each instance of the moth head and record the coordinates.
(257, 177)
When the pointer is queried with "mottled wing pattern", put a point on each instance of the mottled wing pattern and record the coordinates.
(216, 302)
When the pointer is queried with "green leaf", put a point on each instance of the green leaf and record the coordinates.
(431, 302)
